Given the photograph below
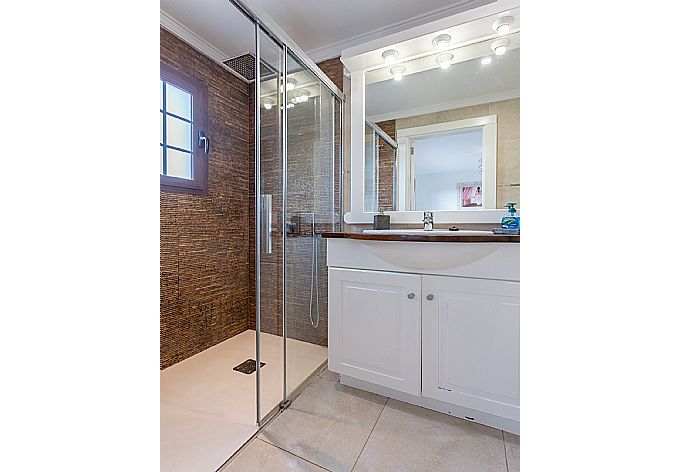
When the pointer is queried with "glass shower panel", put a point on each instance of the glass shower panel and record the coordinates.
(270, 339)
(371, 167)
(313, 163)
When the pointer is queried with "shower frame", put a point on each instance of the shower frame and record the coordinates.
(263, 24)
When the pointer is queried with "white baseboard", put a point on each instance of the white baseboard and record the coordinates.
(467, 414)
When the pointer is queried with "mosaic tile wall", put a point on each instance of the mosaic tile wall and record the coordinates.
(206, 283)
(207, 241)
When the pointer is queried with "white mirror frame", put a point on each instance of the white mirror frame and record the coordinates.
(355, 61)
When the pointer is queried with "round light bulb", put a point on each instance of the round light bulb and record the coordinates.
(500, 47)
(503, 24)
(390, 56)
(290, 105)
(268, 106)
(397, 72)
(486, 61)
(441, 41)
(290, 84)
(444, 60)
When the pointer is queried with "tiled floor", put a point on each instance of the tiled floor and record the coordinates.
(332, 427)
(208, 410)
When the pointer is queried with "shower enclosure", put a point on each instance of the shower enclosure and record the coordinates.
(298, 124)
(244, 319)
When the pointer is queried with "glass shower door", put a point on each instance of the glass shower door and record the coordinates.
(297, 180)
(312, 181)
(270, 349)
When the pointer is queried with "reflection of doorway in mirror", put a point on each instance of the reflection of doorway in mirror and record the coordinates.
(469, 195)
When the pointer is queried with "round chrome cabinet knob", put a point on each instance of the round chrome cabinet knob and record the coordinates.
(410, 296)
(430, 297)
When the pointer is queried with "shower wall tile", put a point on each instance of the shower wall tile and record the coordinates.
(313, 186)
(333, 68)
(386, 163)
(207, 284)
(208, 241)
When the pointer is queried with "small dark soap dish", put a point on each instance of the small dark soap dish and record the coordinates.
(382, 221)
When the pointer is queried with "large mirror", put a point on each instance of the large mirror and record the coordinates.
(443, 124)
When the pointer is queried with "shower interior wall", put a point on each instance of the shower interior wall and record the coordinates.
(207, 241)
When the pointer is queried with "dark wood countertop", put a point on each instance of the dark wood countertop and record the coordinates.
(436, 238)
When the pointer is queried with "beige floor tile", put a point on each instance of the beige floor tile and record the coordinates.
(330, 375)
(512, 451)
(328, 424)
(413, 439)
(208, 410)
(261, 456)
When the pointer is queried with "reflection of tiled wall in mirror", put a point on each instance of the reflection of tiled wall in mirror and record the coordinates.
(386, 163)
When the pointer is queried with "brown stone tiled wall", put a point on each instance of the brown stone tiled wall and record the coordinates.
(386, 162)
(312, 187)
(333, 68)
(207, 285)
(207, 241)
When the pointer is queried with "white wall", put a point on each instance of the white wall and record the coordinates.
(439, 191)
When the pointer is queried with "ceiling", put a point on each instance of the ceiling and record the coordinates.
(321, 28)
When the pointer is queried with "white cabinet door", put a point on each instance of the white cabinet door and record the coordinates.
(374, 327)
(471, 343)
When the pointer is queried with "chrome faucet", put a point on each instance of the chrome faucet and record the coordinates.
(428, 221)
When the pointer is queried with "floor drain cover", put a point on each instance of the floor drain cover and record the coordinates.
(247, 367)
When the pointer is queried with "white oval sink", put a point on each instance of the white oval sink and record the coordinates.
(435, 232)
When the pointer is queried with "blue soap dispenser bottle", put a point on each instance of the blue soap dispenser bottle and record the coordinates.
(511, 220)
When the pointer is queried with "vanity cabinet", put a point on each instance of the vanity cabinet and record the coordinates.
(374, 327)
(433, 331)
(471, 343)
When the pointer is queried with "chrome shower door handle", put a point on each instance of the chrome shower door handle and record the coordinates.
(266, 223)
(203, 141)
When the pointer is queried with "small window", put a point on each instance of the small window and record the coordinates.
(184, 144)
